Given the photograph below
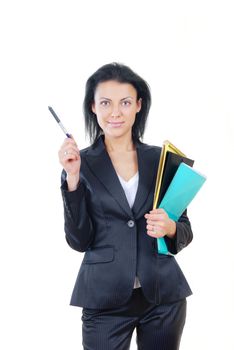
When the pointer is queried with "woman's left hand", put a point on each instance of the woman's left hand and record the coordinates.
(159, 224)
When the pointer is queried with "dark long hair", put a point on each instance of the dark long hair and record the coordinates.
(122, 74)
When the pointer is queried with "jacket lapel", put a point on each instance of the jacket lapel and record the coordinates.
(148, 161)
(101, 166)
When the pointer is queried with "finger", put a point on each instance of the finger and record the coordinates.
(151, 234)
(69, 141)
(155, 234)
(68, 149)
(69, 157)
(157, 222)
(156, 227)
(155, 217)
(153, 222)
(66, 159)
(71, 154)
(157, 211)
(150, 227)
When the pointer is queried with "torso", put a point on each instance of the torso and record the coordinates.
(125, 163)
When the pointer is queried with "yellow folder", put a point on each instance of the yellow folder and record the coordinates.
(167, 147)
(169, 161)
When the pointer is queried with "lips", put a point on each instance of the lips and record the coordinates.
(115, 124)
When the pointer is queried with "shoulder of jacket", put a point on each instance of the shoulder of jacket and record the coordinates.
(143, 146)
(84, 151)
(148, 147)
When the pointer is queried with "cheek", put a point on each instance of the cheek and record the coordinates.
(101, 119)
(102, 112)
(132, 117)
(131, 112)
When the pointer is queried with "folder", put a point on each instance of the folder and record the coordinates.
(170, 159)
(181, 191)
(172, 163)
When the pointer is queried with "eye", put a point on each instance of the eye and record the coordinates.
(126, 103)
(105, 103)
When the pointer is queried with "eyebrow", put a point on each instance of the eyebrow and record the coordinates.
(109, 99)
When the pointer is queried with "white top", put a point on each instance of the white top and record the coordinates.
(130, 189)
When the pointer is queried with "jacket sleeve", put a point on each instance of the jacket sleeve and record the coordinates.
(77, 222)
(183, 236)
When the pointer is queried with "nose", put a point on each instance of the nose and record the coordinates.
(115, 111)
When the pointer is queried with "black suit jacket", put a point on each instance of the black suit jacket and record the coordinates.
(99, 222)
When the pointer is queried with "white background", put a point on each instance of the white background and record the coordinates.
(184, 49)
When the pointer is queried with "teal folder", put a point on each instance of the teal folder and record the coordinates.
(181, 191)
(177, 201)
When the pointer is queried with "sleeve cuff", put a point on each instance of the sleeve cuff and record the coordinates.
(72, 196)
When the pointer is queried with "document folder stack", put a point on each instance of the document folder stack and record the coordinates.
(177, 183)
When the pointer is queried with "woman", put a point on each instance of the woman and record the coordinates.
(107, 190)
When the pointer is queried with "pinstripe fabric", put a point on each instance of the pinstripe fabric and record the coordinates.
(158, 327)
(100, 222)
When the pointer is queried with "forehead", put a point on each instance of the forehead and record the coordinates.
(114, 89)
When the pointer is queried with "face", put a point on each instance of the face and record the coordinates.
(115, 105)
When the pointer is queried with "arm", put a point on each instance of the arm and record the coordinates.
(176, 234)
(77, 222)
(183, 235)
(78, 225)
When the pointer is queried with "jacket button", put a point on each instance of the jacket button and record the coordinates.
(130, 223)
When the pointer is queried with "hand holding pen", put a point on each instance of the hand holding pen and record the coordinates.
(69, 156)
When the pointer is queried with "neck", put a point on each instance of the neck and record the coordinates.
(119, 144)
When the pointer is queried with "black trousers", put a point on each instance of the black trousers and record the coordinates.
(158, 327)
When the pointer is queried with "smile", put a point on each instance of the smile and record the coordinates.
(115, 124)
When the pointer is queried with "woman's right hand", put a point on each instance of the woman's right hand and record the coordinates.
(69, 157)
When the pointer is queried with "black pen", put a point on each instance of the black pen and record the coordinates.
(58, 121)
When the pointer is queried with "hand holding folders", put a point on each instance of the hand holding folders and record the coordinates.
(177, 183)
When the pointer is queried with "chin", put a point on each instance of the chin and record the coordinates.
(116, 133)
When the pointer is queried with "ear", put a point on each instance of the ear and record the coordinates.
(93, 108)
(139, 103)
